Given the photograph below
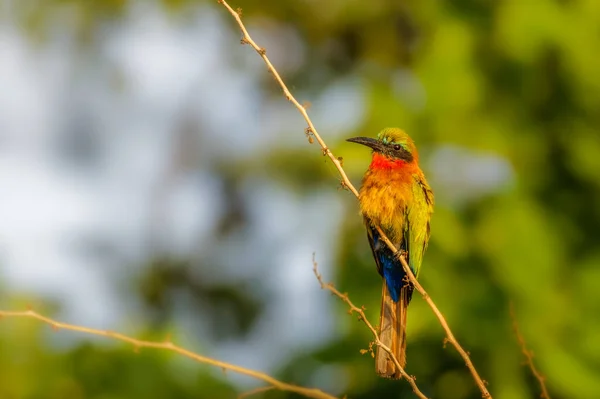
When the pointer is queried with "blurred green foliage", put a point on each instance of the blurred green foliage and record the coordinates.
(94, 370)
(514, 79)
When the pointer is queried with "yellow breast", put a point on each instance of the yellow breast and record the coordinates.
(384, 196)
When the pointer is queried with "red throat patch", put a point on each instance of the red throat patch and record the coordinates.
(381, 162)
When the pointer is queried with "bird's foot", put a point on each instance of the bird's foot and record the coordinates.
(402, 253)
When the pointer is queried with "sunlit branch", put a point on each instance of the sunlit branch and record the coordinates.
(528, 355)
(255, 391)
(312, 131)
(449, 335)
(362, 317)
(170, 346)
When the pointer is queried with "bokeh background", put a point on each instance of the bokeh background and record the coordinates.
(154, 181)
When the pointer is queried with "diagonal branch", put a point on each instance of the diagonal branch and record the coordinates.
(528, 355)
(362, 317)
(311, 130)
(170, 346)
(255, 391)
(449, 335)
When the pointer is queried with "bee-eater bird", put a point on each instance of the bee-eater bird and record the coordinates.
(396, 197)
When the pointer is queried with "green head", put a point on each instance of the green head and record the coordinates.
(391, 142)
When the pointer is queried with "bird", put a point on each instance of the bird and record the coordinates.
(395, 197)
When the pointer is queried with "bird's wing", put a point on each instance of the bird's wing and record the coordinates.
(375, 244)
(419, 214)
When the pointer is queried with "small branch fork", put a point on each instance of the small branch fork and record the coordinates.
(528, 355)
(311, 131)
(362, 317)
(170, 346)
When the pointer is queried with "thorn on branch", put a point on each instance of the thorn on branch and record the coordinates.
(371, 348)
(325, 151)
(528, 353)
(341, 161)
(262, 51)
(306, 105)
(309, 133)
(244, 41)
(239, 11)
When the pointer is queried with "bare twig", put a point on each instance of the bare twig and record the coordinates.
(449, 335)
(362, 317)
(312, 131)
(528, 355)
(255, 391)
(169, 346)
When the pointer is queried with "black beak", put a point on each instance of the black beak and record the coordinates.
(369, 142)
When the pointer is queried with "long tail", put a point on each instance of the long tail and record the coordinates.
(392, 327)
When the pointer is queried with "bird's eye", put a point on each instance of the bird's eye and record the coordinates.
(397, 147)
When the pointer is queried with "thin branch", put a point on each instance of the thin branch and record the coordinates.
(312, 131)
(528, 355)
(169, 346)
(255, 391)
(362, 317)
(449, 335)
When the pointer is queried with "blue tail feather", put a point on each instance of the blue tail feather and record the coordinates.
(390, 267)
